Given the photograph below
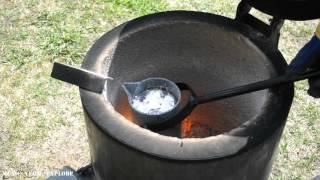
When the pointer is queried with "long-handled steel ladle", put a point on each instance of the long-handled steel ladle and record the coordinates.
(95, 82)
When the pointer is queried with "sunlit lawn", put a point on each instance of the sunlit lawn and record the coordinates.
(41, 121)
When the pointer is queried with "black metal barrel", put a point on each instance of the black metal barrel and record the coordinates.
(234, 138)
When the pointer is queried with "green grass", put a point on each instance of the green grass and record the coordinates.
(37, 112)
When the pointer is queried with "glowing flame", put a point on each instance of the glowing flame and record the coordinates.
(190, 128)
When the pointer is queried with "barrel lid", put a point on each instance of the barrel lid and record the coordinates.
(288, 9)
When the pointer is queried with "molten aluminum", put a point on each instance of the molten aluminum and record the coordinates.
(154, 102)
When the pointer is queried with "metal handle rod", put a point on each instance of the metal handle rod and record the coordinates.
(257, 86)
(80, 77)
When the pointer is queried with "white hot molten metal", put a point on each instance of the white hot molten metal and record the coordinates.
(153, 102)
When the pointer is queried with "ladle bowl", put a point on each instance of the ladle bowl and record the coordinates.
(134, 91)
